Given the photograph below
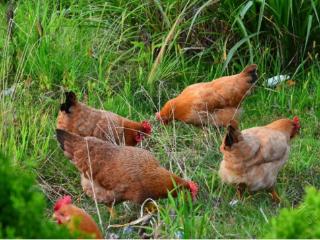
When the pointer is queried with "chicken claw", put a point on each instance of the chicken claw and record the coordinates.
(150, 208)
(240, 190)
(113, 212)
(274, 195)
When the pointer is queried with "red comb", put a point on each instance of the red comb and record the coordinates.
(62, 201)
(194, 188)
(296, 119)
(147, 128)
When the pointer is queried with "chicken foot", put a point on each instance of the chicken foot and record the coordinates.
(240, 190)
(274, 195)
(113, 212)
(150, 208)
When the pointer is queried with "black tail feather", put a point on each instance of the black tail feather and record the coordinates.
(254, 76)
(230, 138)
(71, 100)
(61, 135)
(68, 141)
(252, 71)
(233, 134)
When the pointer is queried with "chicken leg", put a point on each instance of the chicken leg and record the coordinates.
(240, 190)
(150, 207)
(274, 195)
(113, 212)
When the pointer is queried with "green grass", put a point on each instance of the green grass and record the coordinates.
(105, 53)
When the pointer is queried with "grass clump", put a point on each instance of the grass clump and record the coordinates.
(23, 206)
(300, 222)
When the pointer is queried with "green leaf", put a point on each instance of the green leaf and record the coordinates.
(235, 48)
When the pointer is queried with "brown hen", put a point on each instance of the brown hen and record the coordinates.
(119, 173)
(253, 157)
(213, 103)
(83, 120)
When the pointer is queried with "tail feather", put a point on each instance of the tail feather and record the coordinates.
(61, 135)
(252, 71)
(233, 134)
(67, 141)
(71, 100)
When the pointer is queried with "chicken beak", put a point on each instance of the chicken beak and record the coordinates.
(160, 119)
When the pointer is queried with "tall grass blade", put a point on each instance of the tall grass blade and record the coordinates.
(308, 33)
(208, 3)
(168, 39)
(244, 30)
(235, 48)
(245, 9)
(164, 15)
(261, 13)
(239, 18)
(315, 11)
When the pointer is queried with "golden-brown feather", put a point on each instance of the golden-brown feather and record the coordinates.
(254, 156)
(83, 120)
(77, 220)
(215, 102)
(119, 173)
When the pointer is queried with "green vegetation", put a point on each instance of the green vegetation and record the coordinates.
(23, 207)
(130, 57)
(302, 222)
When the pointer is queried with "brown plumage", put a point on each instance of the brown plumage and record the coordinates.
(119, 173)
(83, 120)
(76, 219)
(253, 157)
(215, 102)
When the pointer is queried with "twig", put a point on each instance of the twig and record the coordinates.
(135, 222)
